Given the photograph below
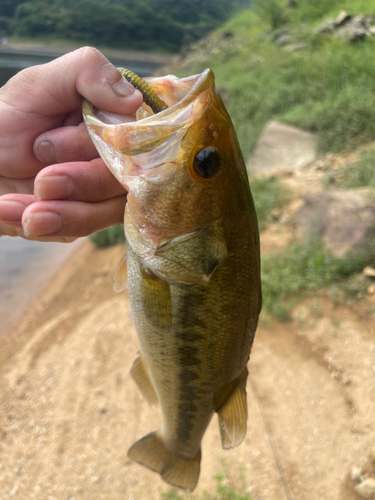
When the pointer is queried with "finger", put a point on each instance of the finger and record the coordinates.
(12, 207)
(79, 181)
(73, 119)
(6, 230)
(24, 186)
(73, 218)
(64, 145)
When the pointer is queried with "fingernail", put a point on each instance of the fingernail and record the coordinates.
(42, 223)
(45, 151)
(11, 210)
(123, 88)
(54, 187)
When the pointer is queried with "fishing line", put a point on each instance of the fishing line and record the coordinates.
(272, 441)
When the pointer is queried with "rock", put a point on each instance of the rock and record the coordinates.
(348, 27)
(366, 488)
(369, 272)
(282, 38)
(342, 18)
(328, 27)
(343, 220)
(371, 289)
(295, 46)
(282, 146)
(356, 473)
(355, 29)
(345, 379)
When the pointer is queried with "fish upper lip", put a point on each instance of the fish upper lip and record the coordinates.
(201, 79)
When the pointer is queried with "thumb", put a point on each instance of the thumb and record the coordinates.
(57, 87)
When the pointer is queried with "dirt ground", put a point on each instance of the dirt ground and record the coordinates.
(70, 411)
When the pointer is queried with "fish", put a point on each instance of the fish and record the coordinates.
(192, 266)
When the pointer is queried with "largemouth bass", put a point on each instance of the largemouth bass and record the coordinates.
(193, 266)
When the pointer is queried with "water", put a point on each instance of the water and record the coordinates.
(12, 61)
(25, 266)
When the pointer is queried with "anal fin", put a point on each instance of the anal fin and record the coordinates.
(233, 414)
(140, 376)
(177, 471)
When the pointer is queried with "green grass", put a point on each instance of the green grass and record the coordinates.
(268, 194)
(108, 237)
(300, 271)
(327, 87)
(355, 175)
(226, 489)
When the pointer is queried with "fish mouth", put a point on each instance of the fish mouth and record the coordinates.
(148, 145)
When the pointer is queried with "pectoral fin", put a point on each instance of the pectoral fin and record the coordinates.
(139, 373)
(156, 299)
(194, 257)
(233, 415)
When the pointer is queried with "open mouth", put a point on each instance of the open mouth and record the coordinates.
(140, 144)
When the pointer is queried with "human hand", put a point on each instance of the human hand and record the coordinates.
(53, 186)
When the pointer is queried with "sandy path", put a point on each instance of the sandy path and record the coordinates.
(69, 409)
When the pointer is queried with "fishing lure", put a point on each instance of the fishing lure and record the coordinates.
(149, 96)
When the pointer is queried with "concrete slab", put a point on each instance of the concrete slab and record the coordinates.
(282, 146)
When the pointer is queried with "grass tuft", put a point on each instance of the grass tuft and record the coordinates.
(356, 175)
(271, 12)
(108, 237)
(269, 194)
(300, 271)
(225, 488)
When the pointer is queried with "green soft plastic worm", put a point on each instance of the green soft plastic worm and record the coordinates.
(149, 96)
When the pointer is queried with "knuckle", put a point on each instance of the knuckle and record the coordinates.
(91, 55)
(101, 188)
(90, 224)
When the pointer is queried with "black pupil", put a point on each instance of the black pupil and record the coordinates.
(207, 163)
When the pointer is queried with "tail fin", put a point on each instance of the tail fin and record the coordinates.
(177, 471)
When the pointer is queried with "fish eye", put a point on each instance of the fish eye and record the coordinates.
(207, 163)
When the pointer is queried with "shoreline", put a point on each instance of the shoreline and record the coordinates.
(35, 310)
(59, 50)
(43, 261)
